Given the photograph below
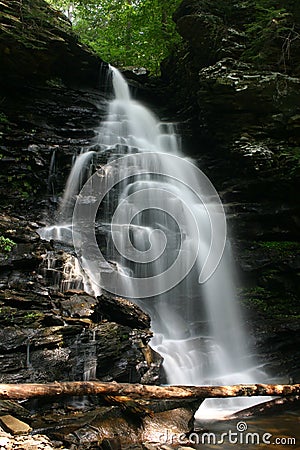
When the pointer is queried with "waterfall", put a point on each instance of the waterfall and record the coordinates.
(158, 229)
(74, 183)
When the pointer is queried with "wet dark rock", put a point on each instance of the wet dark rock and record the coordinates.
(263, 221)
(24, 298)
(204, 33)
(241, 123)
(50, 329)
(269, 298)
(14, 408)
(34, 348)
(248, 101)
(78, 306)
(122, 311)
(110, 427)
(36, 146)
(11, 363)
(50, 335)
(13, 338)
(19, 229)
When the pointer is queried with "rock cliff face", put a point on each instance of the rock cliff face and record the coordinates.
(238, 95)
(50, 329)
(37, 43)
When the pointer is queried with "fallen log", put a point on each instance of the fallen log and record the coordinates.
(140, 391)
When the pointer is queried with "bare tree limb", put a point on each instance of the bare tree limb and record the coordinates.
(139, 391)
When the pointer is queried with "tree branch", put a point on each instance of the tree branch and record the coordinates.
(139, 391)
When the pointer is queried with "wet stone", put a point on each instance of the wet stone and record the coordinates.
(78, 306)
(11, 407)
(123, 311)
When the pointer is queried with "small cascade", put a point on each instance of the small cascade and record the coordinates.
(153, 214)
(52, 176)
(59, 233)
(64, 272)
(29, 344)
(72, 276)
(50, 267)
(85, 355)
(80, 172)
(90, 363)
(28, 363)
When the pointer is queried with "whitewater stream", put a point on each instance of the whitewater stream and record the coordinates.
(160, 240)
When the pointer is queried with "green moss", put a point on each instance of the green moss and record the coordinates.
(281, 248)
(124, 337)
(10, 316)
(21, 185)
(34, 24)
(7, 315)
(270, 304)
(3, 119)
(289, 160)
(55, 83)
(269, 34)
(32, 316)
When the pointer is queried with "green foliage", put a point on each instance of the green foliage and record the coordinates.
(60, 4)
(33, 315)
(6, 245)
(272, 305)
(3, 119)
(270, 34)
(281, 246)
(55, 83)
(33, 24)
(125, 32)
(289, 159)
(10, 316)
(4, 126)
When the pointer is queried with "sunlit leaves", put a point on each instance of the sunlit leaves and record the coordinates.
(125, 32)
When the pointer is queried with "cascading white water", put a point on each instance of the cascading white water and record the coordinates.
(197, 328)
(74, 183)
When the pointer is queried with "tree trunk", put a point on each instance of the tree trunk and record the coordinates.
(139, 391)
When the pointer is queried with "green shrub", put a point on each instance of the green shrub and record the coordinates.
(6, 245)
(270, 35)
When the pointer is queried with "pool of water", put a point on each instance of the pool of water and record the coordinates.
(278, 430)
